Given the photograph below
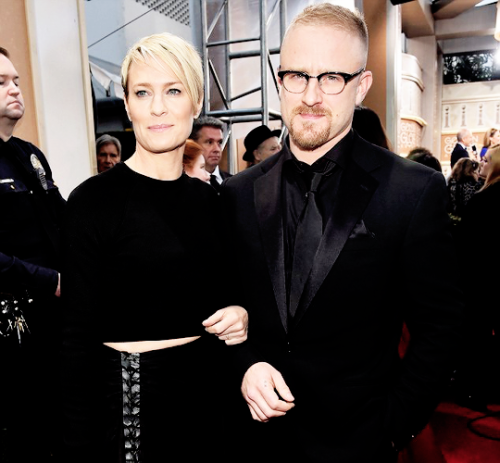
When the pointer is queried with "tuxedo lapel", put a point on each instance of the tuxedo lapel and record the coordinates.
(354, 192)
(267, 197)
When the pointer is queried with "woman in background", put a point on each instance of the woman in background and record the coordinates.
(491, 138)
(477, 233)
(143, 380)
(462, 185)
(368, 125)
(194, 161)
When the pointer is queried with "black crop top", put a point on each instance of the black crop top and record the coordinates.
(136, 268)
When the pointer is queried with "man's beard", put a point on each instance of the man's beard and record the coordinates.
(308, 138)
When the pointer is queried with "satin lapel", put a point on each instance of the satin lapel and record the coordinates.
(355, 190)
(267, 196)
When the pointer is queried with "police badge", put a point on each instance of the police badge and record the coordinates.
(40, 171)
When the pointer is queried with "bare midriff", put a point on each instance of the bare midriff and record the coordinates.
(146, 346)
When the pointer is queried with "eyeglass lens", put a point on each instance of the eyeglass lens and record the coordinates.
(329, 83)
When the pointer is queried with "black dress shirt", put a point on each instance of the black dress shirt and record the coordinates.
(297, 177)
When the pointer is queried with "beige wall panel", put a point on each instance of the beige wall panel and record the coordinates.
(14, 37)
(375, 16)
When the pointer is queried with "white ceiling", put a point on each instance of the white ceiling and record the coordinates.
(458, 25)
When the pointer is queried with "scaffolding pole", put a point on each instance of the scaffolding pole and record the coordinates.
(228, 114)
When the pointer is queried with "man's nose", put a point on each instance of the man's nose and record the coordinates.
(312, 94)
(14, 89)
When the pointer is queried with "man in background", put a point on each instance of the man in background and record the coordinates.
(208, 133)
(108, 152)
(260, 143)
(31, 210)
(464, 141)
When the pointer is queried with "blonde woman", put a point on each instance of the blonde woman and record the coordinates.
(477, 246)
(143, 380)
(491, 138)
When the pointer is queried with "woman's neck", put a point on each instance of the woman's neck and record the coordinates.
(164, 166)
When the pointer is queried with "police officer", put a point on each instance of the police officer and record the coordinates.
(31, 210)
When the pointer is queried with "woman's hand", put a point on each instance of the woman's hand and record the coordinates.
(229, 324)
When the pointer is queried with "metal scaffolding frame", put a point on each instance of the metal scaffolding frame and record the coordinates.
(229, 115)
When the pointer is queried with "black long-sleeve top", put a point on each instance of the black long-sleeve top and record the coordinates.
(135, 265)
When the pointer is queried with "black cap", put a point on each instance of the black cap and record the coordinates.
(255, 137)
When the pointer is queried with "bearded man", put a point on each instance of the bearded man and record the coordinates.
(343, 242)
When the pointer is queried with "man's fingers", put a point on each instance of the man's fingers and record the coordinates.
(259, 391)
(282, 389)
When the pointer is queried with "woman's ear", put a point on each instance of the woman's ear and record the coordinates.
(197, 112)
(126, 109)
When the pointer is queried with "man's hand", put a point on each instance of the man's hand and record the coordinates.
(260, 387)
(229, 324)
(58, 289)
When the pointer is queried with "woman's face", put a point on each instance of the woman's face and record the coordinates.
(159, 107)
(197, 170)
(485, 165)
(495, 139)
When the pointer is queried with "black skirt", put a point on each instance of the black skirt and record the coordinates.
(165, 404)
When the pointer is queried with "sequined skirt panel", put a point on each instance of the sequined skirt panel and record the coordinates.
(163, 405)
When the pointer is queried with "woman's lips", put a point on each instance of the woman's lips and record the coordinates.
(159, 127)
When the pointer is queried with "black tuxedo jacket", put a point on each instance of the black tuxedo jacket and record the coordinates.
(458, 152)
(224, 174)
(386, 257)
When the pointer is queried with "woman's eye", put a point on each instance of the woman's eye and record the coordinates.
(140, 93)
(173, 91)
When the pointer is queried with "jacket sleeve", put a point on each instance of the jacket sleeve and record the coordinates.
(79, 296)
(27, 275)
(433, 313)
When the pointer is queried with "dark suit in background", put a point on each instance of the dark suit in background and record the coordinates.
(458, 152)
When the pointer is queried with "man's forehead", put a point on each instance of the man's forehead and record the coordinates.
(299, 46)
(212, 132)
(7, 69)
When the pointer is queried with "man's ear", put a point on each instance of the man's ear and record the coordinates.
(364, 85)
(280, 84)
(256, 155)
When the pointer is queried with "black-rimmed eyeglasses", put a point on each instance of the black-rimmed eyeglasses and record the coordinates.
(331, 83)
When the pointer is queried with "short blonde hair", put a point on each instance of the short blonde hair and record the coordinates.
(338, 17)
(173, 52)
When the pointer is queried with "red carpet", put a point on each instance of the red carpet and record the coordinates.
(449, 439)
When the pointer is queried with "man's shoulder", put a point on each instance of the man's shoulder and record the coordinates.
(392, 169)
(26, 148)
(458, 147)
(250, 174)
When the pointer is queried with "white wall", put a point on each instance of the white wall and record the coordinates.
(60, 71)
(425, 50)
(474, 105)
